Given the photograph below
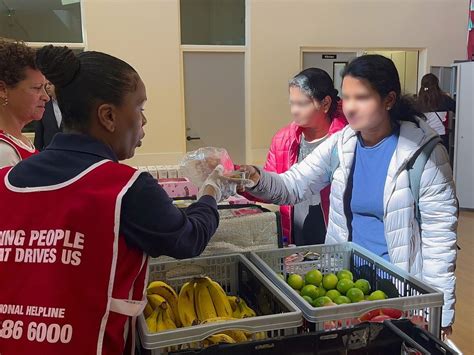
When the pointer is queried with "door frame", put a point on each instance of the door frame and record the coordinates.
(311, 49)
(245, 49)
(423, 67)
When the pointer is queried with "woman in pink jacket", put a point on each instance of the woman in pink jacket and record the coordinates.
(317, 113)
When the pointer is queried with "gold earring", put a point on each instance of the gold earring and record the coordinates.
(5, 101)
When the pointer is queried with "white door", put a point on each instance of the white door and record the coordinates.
(214, 93)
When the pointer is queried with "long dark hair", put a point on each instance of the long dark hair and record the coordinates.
(382, 75)
(82, 82)
(430, 96)
(317, 84)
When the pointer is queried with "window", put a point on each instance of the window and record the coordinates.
(212, 22)
(41, 21)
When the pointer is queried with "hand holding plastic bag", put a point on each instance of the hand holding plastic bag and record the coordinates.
(199, 164)
(224, 187)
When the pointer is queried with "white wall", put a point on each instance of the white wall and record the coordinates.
(281, 27)
(146, 35)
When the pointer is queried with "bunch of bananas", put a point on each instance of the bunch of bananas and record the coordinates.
(240, 309)
(200, 301)
(161, 312)
(232, 337)
(203, 300)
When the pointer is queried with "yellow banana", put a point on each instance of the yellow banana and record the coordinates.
(148, 310)
(237, 335)
(203, 301)
(256, 336)
(218, 319)
(237, 313)
(187, 313)
(165, 322)
(245, 310)
(155, 301)
(219, 299)
(169, 294)
(236, 305)
(151, 321)
(233, 300)
(220, 338)
(160, 325)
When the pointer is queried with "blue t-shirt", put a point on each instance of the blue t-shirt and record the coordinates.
(369, 174)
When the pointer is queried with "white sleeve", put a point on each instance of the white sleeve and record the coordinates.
(313, 174)
(8, 155)
(439, 218)
(301, 182)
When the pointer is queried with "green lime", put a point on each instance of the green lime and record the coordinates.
(295, 281)
(322, 301)
(313, 277)
(344, 285)
(332, 294)
(355, 295)
(363, 285)
(345, 274)
(308, 299)
(311, 291)
(330, 281)
(342, 300)
(322, 291)
(377, 295)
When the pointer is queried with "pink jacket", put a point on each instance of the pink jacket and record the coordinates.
(283, 154)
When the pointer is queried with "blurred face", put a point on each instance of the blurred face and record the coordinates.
(27, 99)
(307, 111)
(363, 107)
(130, 119)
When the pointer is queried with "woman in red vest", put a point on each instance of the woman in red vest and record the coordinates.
(22, 100)
(317, 113)
(77, 226)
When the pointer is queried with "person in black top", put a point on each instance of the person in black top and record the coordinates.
(436, 105)
(102, 102)
(51, 123)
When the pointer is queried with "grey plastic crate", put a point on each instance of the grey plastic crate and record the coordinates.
(276, 314)
(415, 297)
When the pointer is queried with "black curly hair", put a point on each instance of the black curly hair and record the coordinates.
(15, 57)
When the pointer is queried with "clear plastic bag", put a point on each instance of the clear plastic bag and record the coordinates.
(199, 164)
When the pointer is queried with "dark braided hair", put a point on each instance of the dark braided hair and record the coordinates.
(84, 81)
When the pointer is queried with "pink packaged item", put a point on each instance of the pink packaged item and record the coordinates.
(179, 187)
(238, 200)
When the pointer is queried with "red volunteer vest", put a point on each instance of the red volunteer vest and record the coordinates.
(20, 151)
(69, 282)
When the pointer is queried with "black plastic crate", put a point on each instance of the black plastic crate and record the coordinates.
(390, 338)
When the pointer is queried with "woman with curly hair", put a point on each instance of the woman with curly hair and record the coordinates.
(22, 100)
